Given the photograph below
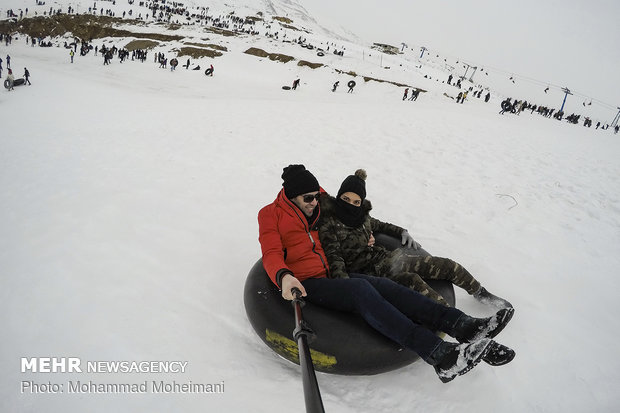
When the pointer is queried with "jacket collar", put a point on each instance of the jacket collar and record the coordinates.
(291, 209)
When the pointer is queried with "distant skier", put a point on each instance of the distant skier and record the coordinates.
(487, 97)
(459, 97)
(405, 95)
(295, 84)
(187, 65)
(336, 86)
(414, 94)
(8, 61)
(71, 53)
(27, 77)
(450, 79)
(0, 67)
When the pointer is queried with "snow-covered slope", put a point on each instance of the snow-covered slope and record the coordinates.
(288, 20)
(128, 209)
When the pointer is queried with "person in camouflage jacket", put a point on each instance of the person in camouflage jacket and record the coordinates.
(293, 258)
(346, 232)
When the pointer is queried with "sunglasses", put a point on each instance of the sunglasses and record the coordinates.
(309, 198)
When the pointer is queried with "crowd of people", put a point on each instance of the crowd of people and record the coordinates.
(462, 95)
(162, 10)
(517, 106)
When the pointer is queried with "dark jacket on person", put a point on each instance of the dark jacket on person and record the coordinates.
(346, 247)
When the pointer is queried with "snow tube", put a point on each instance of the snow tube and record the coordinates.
(351, 83)
(208, 71)
(16, 82)
(506, 106)
(286, 87)
(344, 344)
(321, 54)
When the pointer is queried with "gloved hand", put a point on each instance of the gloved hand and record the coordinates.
(408, 241)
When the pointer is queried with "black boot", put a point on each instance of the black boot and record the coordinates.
(498, 355)
(451, 359)
(486, 297)
(469, 329)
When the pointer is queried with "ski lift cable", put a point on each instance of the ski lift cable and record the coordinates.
(553, 86)
(520, 77)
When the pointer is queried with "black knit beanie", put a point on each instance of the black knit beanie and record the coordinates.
(298, 180)
(354, 183)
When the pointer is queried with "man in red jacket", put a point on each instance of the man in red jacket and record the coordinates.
(293, 258)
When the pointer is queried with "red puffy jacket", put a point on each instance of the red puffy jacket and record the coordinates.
(289, 243)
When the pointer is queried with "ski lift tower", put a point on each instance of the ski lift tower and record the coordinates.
(567, 92)
(615, 121)
(467, 70)
(472, 75)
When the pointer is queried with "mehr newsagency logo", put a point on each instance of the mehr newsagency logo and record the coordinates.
(131, 368)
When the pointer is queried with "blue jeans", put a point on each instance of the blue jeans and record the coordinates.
(403, 315)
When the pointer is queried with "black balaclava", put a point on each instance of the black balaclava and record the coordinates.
(352, 215)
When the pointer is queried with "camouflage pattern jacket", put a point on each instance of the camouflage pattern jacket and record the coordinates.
(347, 247)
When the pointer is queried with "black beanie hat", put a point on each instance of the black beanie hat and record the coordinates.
(298, 180)
(354, 183)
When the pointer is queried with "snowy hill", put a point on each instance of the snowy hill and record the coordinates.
(129, 202)
(286, 20)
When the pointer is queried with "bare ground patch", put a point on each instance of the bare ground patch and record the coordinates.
(85, 27)
(141, 44)
(254, 51)
(222, 32)
(309, 64)
(209, 45)
(196, 53)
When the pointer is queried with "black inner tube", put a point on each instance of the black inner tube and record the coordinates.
(344, 344)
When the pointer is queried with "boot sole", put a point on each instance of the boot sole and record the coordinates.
(496, 347)
(501, 323)
(473, 363)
